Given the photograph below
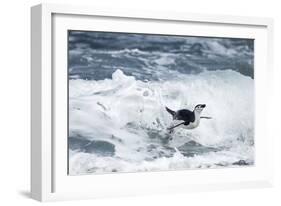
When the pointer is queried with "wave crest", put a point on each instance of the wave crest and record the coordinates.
(131, 115)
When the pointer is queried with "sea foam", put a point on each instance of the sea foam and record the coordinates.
(130, 114)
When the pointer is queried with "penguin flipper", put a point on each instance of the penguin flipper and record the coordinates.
(173, 127)
(206, 117)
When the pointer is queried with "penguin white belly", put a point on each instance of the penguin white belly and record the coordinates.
(191, 125)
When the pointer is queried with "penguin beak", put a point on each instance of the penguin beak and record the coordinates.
(203, 105)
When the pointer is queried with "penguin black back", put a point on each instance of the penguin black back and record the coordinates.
(183, 114)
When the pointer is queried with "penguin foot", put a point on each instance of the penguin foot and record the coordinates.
(170, 131)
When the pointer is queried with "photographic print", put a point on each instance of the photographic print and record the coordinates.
(149, 102)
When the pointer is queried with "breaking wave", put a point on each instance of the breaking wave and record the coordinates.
(120, 124)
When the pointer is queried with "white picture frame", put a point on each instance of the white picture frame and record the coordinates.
(49, 179)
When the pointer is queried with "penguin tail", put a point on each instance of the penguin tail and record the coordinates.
(173, 113)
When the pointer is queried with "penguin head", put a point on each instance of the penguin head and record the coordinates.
(199, 107)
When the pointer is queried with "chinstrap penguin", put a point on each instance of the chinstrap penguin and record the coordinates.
(190, 119)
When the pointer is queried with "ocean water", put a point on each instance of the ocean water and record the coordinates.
(119, 85)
